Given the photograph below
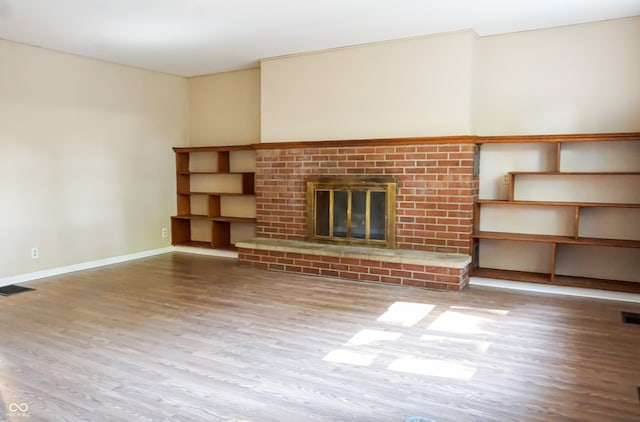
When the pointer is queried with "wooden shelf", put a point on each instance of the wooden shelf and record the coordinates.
(219, 225)
(205, 245)
(228, 219)
(558, 280)
(559, 138)
(235, 219)
(193, 217)
(218, 193)
(213, 172)
(226, 148)
(573, 173)
(577, 210)
(512, 174)
(195, 244)
(560, 204)
(597, 283)
(511, 275)
(565, 240)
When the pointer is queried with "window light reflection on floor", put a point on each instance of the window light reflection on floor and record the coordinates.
(433, 367)
(456, 322)
(361, 338)
(457, 343)
(405, 314)
(350, 357)
(364, 337)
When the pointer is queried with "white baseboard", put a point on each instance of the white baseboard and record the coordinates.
(113, 260)
(556, 290)
(82, 266)
(473, 281)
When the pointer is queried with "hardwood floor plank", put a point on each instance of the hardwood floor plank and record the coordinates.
(180, 337)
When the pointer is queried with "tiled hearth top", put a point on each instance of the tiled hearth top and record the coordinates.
(436, 259)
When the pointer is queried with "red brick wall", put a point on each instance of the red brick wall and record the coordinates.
(436, 190)
(430, 277)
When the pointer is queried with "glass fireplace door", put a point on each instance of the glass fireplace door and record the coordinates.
(358, 213)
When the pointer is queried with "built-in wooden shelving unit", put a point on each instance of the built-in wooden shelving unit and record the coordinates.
(574, 239)
(219, 224)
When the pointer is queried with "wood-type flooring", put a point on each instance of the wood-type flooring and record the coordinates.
(179, 337)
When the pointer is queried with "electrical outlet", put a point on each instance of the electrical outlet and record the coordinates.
(505, 179)
(35, 253)
(165, 232)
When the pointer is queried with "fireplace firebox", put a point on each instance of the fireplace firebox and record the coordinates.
(352, 210)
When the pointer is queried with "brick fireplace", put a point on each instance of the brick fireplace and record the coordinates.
(436, 188)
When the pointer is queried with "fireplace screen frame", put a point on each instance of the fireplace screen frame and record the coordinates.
(386, 184)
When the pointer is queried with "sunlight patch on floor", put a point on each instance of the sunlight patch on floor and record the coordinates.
(459, 323)
(406, 314)
(351, 357)
(372, 336)
(433, 367)
(458, 327)
(458, 343)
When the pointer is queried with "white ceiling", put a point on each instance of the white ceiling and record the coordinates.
(194, 37)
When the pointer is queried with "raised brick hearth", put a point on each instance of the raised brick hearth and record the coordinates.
(436, 191)
(433, 270)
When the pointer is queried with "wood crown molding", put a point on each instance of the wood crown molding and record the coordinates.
(465, 139)
(586, 137)
(367, 142)
(573, 137)
(215, 148)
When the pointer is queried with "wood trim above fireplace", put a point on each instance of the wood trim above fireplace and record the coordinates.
(368, 142)
(462, 139)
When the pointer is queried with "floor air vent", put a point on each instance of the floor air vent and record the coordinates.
(13, 289)
(630, 318)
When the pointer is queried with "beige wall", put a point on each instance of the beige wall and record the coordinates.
(224, 108)
(414, 87)
(86, 167)
(573, 79)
